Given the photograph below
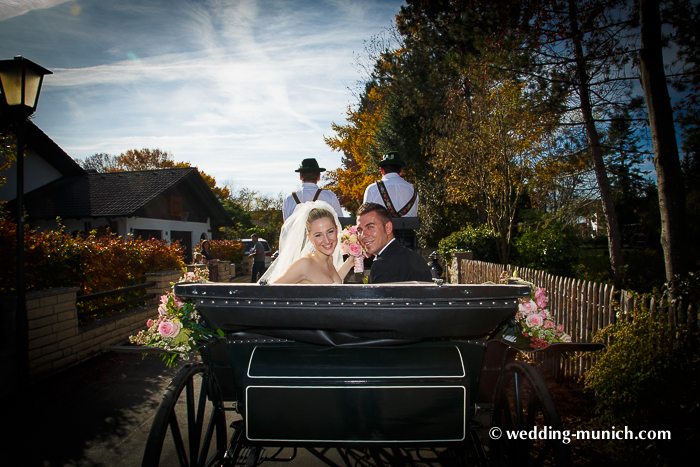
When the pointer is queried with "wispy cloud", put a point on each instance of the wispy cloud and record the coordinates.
(11, 8)
(244, 89)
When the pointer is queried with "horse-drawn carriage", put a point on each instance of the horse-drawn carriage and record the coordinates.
(392, 374)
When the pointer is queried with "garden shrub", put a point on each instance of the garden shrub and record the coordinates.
(93, 263)
(643, 272)
(648, 379)
(553, 247)
(225, 250)
(480, 240)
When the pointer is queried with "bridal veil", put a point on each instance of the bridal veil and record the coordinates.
(294, 243)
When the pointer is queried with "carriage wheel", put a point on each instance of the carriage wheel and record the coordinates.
(189, 428)
(523, 405)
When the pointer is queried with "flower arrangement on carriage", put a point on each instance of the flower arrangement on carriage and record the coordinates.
(535, 325)
(178, 329)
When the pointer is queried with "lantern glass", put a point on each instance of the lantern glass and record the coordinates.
(21, 80)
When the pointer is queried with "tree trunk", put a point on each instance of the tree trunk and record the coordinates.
(669, 177)
(614, 241)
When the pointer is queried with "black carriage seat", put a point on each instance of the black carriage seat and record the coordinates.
(356, 314)
(394, 363)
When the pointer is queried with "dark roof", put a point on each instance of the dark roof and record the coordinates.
(51, 152)
(117, 194)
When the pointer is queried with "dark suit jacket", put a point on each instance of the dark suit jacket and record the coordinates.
(399, 264)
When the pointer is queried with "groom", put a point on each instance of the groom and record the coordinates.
(393, 262)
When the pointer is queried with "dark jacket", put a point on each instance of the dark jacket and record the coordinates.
(399, 264)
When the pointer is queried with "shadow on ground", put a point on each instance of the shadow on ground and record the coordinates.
(97, 413)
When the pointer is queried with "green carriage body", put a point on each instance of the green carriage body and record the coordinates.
(368, 368)
(353, 363)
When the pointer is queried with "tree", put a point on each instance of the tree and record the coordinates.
(146, 159)
(100, 162)
(669, 177)
(356, 140)
(131, 160)
(493, 151)
(8, 154)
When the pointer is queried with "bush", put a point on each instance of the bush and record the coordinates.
(553, 248)
(649, 379)
(644, 270)
(225, 250)
(93, 263)
(481, 240)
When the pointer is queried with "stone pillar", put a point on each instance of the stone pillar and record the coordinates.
(163, 280)
(224, 269)
(454, 268)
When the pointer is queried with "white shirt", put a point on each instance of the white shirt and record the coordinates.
(399, 190)
(307, 193)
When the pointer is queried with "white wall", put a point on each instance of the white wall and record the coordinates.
(37, 173)
(126, 225)
(165, 226)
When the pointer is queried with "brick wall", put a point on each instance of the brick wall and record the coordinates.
(220, 271)
(55, 338)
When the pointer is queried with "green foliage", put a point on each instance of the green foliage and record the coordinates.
(649, 378)
(553, 247)
(481, 240)
(643, 272)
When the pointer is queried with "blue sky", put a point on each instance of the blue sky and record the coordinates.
(243, 89)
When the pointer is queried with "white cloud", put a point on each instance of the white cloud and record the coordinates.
(11, 8)
(244, 90)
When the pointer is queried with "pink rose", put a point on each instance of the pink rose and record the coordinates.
(560, 327)
(352, 230)
(541, 297)
(149, 323)
(169, 329)
(344, 249)
(527, 306)
(549, 324)
(534, 321)
(355, 249)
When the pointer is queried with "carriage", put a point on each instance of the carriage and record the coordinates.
(358, 375)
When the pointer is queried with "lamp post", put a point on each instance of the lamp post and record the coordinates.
(20, 84)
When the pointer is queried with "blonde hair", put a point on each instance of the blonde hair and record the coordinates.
(316, 214)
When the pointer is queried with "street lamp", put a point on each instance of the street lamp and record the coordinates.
(20, 84)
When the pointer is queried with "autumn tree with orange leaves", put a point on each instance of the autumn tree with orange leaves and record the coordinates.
(356, 141)
(146, 159)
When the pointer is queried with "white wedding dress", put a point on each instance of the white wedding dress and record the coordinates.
(294, 243)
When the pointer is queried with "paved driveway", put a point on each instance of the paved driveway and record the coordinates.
(97, 413)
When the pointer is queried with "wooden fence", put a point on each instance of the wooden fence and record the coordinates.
(583, 307)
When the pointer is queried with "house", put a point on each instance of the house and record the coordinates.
(171, 204)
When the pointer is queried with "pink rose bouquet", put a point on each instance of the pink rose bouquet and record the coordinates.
(350, 245)
(178, 329)
(537, 326)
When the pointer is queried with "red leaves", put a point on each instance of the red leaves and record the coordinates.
(93, 263)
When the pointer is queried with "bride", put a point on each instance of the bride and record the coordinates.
(309, 252)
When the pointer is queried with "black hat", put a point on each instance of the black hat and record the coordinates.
(310, 165)
(391, 158)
